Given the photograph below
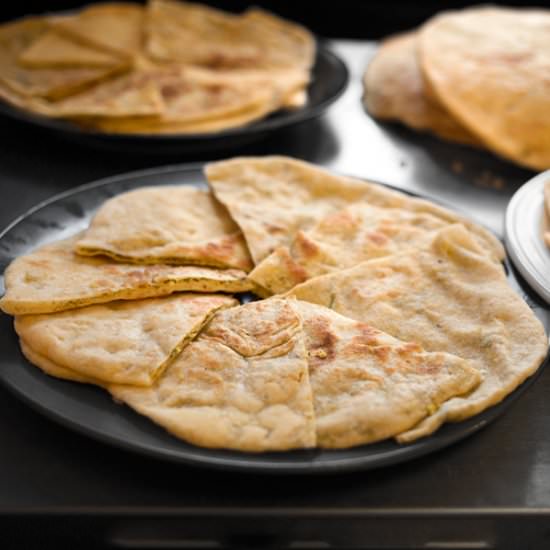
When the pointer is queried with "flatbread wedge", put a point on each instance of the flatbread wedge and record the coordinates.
(447, 297)
(112, 27)
(367, 385)
(394, 89)
(48, 83)
(166, 224)
(242, 384)
(120, 342)
(52, 50)
(196, 34)
(271, 198)
(343, 239)
(54, 278)
(487, 66)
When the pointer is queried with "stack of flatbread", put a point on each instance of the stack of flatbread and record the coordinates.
(167, 67)
(476, 76)
(382, 316)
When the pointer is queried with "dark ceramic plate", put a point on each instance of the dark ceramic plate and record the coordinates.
(329, 80)
(91, 410)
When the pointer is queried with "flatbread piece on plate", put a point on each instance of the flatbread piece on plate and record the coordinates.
(49, 83)
(271, 198)
(166, 224)
(120, 342)
(447, 297)
(242, 384)
(54, 278)
(112, 27)
(343, 239)
(367, 385)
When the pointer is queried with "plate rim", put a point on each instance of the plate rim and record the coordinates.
(251, 462)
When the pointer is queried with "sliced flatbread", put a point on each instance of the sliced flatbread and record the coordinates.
(51, 83)
(447, 297)
(112, 27)
(242, 384)
(54, 278)
(52, 50)
(488, 67)
(121, 342)
(195, 34)
(272, 198)
(166, 224)
(394, 90)
(343, 239)
(369, 386)
(198, 100)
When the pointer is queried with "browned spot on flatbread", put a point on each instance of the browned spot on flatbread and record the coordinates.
(322, 344)
(305, 246)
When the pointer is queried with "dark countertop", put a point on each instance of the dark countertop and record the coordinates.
(491, 490)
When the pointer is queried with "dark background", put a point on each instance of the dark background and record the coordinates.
(337, 19)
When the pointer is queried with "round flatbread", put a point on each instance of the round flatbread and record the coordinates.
(488, 67)
(394, 90)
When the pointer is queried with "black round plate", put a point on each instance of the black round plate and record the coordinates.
(91, 410)
(329, 80)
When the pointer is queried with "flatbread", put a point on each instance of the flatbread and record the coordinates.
(121, 342)
(196, 34)
(52, 369)
(51, 49)
(54, 278)
(343, 239)
(15, 38)
(111, 27)
(242, 384)
(367, 385)
(394, 90)
(166, 224)
(197, 100)
(271, 198)
(447, 297)
(487, 66)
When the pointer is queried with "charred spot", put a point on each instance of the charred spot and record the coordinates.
(294, 269)
(273, 229)
(323, 341)
(307, 248)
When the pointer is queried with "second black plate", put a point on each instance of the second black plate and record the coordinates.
(92, 411)
(329, 80)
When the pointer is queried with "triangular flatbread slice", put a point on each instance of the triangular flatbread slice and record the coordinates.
(49, 83)
(166, 224)
(271, 198)
(367, 385)
(111, 27)
(446, 297)
(195, 34)
(54, 278)
(52, 50)
(121, 342)
(242, 384)
(343, 239)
